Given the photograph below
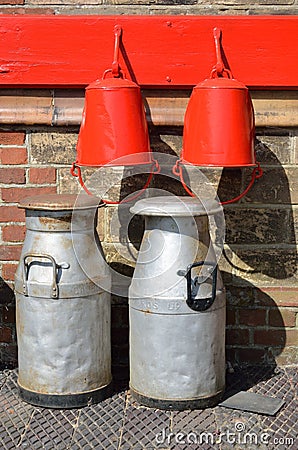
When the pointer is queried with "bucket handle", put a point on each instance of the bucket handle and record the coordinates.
(255, 175)
(26, 267)
(200, 304)
(219, 69)
(76, 172)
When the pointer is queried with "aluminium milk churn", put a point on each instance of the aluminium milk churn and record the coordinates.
(63, 313)
(177, 308)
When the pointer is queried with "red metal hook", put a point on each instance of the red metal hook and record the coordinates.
(219, 68)
(219, 63)
(115, 63)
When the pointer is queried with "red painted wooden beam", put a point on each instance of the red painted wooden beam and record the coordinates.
(171, 51)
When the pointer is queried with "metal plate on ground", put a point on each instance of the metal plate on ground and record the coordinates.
(257, 403)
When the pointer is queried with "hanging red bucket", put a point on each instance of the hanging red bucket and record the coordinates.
(113, 125)
(219, 121)
(114, 128)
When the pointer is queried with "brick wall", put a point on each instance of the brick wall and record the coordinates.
(259, 265)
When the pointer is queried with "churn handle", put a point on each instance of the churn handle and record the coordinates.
(26, 267)
(205, 303)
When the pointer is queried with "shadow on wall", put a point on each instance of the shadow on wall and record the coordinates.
(262, 252)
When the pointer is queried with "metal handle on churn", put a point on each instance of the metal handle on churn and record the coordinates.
(200, 304)
(54, 290)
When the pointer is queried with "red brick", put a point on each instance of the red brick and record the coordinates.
(5, 334)
(13, 233)
(10, 252)
(9, 314)
(276, 296)
(270, 337)
(12, 2)
(282, 318)
(12, 175)
(42, 175)
(237, 337)
(9, 355)
(13, 155)
(11, 137)
(11, 214)
(231, 354)
(252, 317)
(17, 194)
(6, 293)
(251, 355)
(8, 271)
(231, 317)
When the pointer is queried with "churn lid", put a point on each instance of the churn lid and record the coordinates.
(59, 202)
(175, 206)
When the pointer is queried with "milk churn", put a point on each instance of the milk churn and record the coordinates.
(63, 314)
(177, 308)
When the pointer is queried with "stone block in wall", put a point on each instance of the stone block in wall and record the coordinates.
(274, 149)
(53, 147)
(284, 356)
(150, 2)
(295, 224)
(258, 225)
(229, 184)
(67, 184)
(273, 266)
(276, 186)
(240, 296)
(276, 2)
(166, 143)
(63, 2)
(121, 226)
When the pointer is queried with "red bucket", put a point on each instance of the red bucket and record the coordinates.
(219, 125)
(114, 128)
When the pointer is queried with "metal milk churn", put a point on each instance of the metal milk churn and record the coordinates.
(63, 312)
(177, 308)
